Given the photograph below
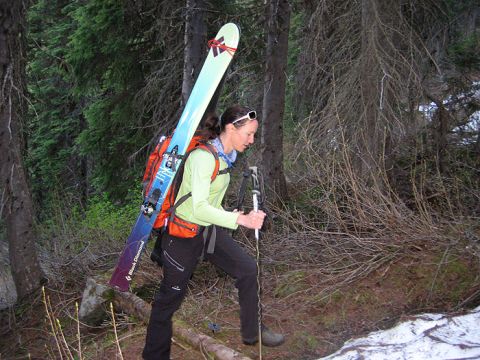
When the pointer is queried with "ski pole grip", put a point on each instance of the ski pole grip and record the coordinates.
(255, 208)
(256, 193)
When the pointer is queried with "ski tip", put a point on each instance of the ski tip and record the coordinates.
(231, 27)
(239, 30)
(232, 31)
(225, 42)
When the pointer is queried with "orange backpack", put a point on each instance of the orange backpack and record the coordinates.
(176, 226)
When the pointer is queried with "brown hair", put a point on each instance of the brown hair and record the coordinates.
(214, 125)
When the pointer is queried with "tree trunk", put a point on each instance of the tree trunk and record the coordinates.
(440, 125)
(16, 203)
(370, 141)
(277, 28)
(310, 53)
(83, 171)
(195, 40)
(212, 105)
(441, 132)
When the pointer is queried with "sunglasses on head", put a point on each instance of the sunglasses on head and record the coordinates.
(251, 115)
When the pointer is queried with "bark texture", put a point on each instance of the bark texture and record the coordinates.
(195, 40)
(278, 24)
(16, 206)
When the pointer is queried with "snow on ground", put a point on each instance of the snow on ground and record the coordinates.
(426, 336)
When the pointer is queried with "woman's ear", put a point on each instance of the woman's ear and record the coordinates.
(229, 127)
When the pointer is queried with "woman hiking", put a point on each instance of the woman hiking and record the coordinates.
(204, 218)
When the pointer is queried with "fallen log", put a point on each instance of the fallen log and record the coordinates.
(133, 305)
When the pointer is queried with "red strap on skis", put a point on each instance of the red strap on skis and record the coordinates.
(220, 45)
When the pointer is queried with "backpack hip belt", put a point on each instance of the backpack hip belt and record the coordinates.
(181, 228)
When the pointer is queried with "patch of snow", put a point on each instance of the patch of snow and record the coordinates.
(427, 336)
(452, 102)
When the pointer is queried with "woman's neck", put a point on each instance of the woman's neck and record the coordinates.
(227, 146)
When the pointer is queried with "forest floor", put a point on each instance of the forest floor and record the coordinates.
(314, 326)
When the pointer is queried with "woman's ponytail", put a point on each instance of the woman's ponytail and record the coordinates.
(211, 127)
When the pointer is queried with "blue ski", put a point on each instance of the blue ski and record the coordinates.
(215, 66)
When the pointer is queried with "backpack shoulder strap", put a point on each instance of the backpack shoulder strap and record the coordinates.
(211, 149)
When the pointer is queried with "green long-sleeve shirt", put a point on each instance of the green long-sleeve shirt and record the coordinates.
(204, 207)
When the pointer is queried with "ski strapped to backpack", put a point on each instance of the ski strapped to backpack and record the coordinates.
(166, 217)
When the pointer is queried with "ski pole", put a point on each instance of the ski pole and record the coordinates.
(256, 194)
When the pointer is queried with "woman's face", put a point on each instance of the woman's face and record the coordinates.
(244, 136)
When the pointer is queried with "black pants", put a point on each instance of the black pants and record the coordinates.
(180, 257)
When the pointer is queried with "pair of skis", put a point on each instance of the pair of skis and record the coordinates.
(219, 57)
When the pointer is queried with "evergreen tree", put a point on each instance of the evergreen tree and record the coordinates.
(105, 54)
(94, 70)
(54, 161)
